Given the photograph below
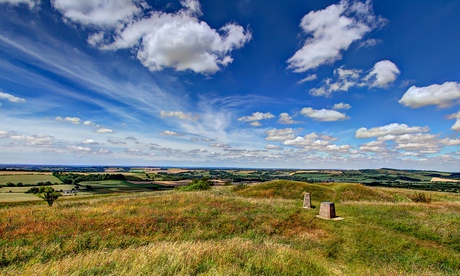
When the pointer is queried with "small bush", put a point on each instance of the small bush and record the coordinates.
(240, 187)
(420, 197)
(197, 185)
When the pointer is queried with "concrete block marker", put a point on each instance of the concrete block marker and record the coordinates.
(307, 201)
(327, 211)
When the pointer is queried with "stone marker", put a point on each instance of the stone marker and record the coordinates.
(307, 201)
(327, 210)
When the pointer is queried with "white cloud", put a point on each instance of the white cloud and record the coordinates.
(308, 78)
(219, 145)
(11, 98)
(171, 40)
(443, 95)
(341, 106)
(256, 117)
(280, 134)
(286, 119)
(391, 129)
(34, 140)
(192, 6)
(89, 142)
(99, 13)
(384, 73)
(369, 43)
(89, 123)
(332, 31)
(170, 133)
(177, 114)
(456, 126)
(73, 120)
(374, 146)
(315, 142)
(450, 142)
(104, 130)
(30, 3)
(79, 149)
(323, 115)
(116, 142)
(274, 147)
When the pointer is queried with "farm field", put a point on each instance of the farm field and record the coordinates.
(260, 229)
(26, 177)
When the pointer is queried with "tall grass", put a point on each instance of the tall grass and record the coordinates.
(219, 232)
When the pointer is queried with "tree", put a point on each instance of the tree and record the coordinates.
(49, 195)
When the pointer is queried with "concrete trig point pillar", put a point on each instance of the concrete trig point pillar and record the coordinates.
(327, 210)
(307, 201)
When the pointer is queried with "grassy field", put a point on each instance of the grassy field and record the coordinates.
(259, 230)
(26, 177)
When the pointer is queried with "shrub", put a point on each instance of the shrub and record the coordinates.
(197, 185)
(420, 197)
(49, 195)
(240, 187)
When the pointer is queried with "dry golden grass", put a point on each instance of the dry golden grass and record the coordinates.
(218, 232)
(439, 179)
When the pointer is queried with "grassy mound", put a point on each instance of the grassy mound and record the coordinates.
(359, 192)
(320, 192)
(288, 190)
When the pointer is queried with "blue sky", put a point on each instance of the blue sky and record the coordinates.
(244, 83)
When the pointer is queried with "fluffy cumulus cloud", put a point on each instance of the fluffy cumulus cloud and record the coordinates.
(176, 114)
(456, 116)
(104, 130)
(384, 73)
(388, 130)
(280, 134)
(274, 147)
(254, 119)
(341, 106)
(286, 119)
(73, 120)
(323, 115)
(160, 40)
(331, 32)
(89, 142)
(11, 98)
(99, 12)
(30, 3)
(444, 95)
(317, 142)
(403, 139)
(33, 140)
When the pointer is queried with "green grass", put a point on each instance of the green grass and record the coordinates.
(220, 232)
(28, 178)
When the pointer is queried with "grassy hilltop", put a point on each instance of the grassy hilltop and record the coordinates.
(258, 230)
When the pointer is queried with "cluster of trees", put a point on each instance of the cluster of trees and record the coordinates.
(20, 184)
(74, 178)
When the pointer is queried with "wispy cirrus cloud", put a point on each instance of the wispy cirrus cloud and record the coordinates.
(11, 98)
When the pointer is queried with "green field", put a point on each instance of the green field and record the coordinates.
(28, 178)
(258, 230)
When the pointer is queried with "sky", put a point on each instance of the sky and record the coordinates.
(311, 84)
